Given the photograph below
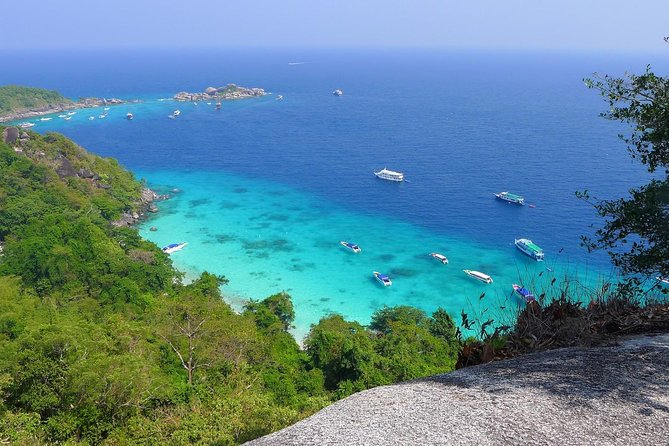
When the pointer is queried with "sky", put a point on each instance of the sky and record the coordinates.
(581, 25)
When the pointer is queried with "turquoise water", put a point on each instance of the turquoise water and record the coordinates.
(270, 188)
(266, 238)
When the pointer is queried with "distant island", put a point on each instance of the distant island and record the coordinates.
(230, 91)
(18, 102)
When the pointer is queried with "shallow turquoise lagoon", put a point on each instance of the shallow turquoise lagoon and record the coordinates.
(266, 238)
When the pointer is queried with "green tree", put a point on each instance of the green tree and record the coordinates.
(635, 232)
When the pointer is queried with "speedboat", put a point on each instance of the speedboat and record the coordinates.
(526, 295)
(176, 112)
(62, 116)
(338, 92)
(529, 248)
(26, 125)
(67, 118)
(279, 98)
(442, 258)
(129, 116)
(663, 280)
(103, 116)
(46, 119)
(511, 198)
(208, 103)
(351, 247)
(71, 113)
(478, 276)
(382, 278)
(194, 103)
(90, 118)
(174, 247)
(389, 175)
(106, 109)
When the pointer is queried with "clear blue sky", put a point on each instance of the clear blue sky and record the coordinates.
(483, 24)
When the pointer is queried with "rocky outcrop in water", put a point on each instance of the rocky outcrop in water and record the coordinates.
(230, 91)
(616, 395)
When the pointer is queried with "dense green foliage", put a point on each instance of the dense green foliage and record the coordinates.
(15, 98)
(402, 343)
(102, 342)
(636, 232)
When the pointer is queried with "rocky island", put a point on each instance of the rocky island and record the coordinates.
(230, 91)
(17, 102)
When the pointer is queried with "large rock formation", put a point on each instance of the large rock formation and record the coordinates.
(10, 134)
(230, 91)
(615, 395)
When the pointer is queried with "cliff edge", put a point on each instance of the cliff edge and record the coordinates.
(616, 395)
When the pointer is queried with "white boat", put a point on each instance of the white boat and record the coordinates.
(176, 112)
(71, 113)
(26, 125)
(67, 118)
(279, 98)
(174, 247)
(106, 109)
(351, 247)
(103, 116)
(382, 278)
(129, 116)
(62, 116)
(90, 118)
(478, 275)
(46, 119)
(194, 103)
(663, 280)
(529, 248)
(338, 92)
(389, 175)
(442, 258)
(171, 116)
(208, 103)
(511, 198)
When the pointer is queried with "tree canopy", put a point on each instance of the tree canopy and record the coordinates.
(635, 232)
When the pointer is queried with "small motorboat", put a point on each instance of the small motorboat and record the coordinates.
(351, 247)
(174, 247)
(67, 118)
(90, 118)
(103, 116)
(338, 92)
(279, 98)
(71, 113)
(383, 279)
(129, 116)
(26, 125)
(478, 276)
(176, 112)
(442, 258)
(524, 293)
(62, 116)
(106, 109)
(46, 119)
(663, 280)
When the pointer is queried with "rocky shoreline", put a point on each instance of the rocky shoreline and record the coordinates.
(60, 107)
(229, 92)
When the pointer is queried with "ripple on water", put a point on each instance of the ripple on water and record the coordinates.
(199, 202)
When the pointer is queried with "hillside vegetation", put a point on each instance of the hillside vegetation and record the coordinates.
(14, 98)
(102, 343)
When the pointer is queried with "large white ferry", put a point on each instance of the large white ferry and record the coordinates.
(390, 175)
(529, 248)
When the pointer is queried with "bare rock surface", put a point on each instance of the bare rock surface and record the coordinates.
(616, 395)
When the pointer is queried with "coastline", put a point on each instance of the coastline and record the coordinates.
(60, 107)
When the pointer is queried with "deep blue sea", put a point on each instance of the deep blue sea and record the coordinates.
(268, 188)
